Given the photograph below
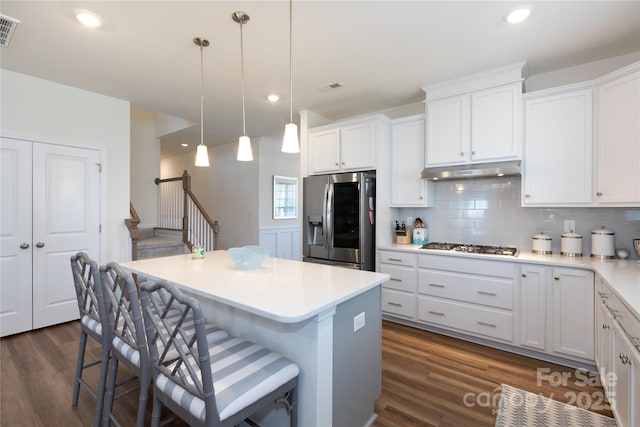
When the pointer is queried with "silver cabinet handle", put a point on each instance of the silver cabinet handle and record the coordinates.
(435, 285)
(491, 294)
(40, 245)
(599, 193)
(395, 304)
(24, 246)
(462, 154)
(337, 164)
(527, 195)
(395, 280)
(605, 326)
(395, 259)
(492, 325)
(524, 275)
(437, 313)
(473, 152)
(556, 278)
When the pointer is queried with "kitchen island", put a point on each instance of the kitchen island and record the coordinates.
(306, 312)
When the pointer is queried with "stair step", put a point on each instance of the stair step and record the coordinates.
(159, 247)
(146, 233)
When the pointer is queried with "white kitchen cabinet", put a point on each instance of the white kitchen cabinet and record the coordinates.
(467, 295)
(533, 307)
(618, 139)
(604, 337)
(407, 161)
(558, 145)
(626, 366)
(482, 126)
(476, 118)
(572, 314)
(399, 292)
(342, 147)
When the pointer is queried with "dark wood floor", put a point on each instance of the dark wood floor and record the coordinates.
(425, 380)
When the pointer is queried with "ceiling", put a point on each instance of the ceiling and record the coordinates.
(382, 52)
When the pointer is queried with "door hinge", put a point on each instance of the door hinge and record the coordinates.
(99, 228)
(99, 167)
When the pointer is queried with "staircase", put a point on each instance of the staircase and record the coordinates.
(182, 223)
(154, 243)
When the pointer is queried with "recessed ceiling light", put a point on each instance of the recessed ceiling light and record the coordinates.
(273, 97)
(88, 18)
(518, 15)
(184, 145)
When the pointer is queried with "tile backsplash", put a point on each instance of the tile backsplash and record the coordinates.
(487, 211)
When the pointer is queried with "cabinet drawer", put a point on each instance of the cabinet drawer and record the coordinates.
(398, 258)
(462, 287)
(402, 278)
(629, 322)
(464, 265)
(398, 303)
(476, 320)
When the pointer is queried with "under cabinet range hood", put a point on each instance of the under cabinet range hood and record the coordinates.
(477, 170)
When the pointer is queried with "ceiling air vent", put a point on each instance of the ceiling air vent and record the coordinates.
(329, 87)
(8, 27)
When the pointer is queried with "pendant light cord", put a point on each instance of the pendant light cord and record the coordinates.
(201, 94)
(244, 131)
(290, 61)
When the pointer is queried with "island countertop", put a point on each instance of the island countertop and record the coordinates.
(282, 290)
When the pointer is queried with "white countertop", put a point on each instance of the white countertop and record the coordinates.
(623, 276)
(282, 290)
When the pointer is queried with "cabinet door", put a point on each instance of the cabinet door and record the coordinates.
(533, 301)
(572, 322)
(626, 368)
(15, 237)
(618, 146)
(324, 151)
(448, 131)
(558, 150)
(356, 147)
(407, 160)
(495, 118)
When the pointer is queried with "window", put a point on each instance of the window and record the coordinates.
(285, 197)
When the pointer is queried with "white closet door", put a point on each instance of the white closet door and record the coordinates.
(15, 236)
(65, 221)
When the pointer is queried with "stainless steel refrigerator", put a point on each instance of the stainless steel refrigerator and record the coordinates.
(339, 219)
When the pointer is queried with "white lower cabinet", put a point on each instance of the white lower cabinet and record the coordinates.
(533, 307)
(467, 295)
(399, 292)
(618, 355)
(572, 314)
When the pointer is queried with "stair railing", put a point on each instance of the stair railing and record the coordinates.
(132, 226)
(179, 209)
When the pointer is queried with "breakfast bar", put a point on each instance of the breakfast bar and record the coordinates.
(326, 319)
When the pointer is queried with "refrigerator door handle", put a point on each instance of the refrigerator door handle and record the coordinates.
(328, 216)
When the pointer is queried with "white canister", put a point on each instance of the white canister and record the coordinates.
(571, 244)
(541, 244)
(602, 243)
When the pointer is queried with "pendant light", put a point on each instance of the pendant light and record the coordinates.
(244, 142)
(290, 143)
(202, 156)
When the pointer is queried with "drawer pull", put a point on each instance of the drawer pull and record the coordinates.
(395, 259)
(605, 326)
(436, 285)
(492, 325)
(396, 304)
(556, 278)
(625, 359)
(491, 294)
(395, 280)
(437, 313)
(524, 275)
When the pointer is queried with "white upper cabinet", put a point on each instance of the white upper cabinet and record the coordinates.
(558, 147)
(407, 161)
(618, 139)
(475, 119)
(342, 147)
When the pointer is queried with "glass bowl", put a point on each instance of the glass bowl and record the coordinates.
(248, 257)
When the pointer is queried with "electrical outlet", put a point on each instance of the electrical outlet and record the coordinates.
(569, 225)
(358, 322)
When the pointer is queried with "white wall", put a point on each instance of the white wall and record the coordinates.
(44, 111)
(228, 190)
(145, 165)
(272, 162)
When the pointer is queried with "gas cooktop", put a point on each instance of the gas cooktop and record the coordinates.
(472, 249)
